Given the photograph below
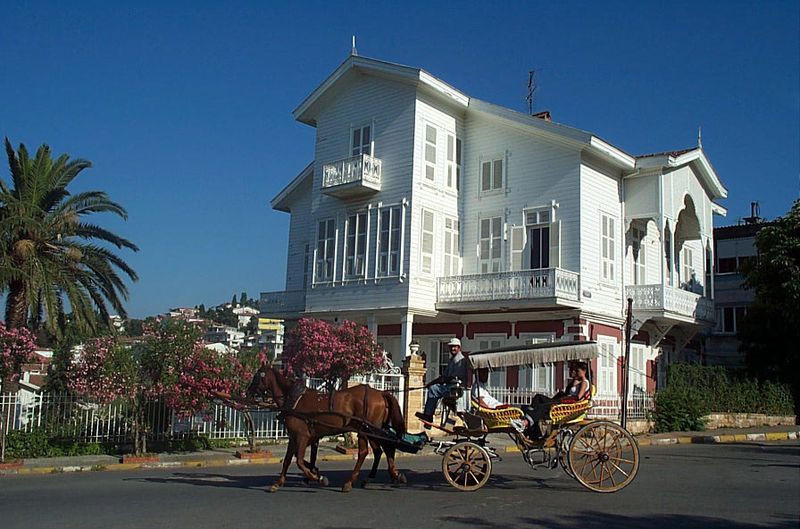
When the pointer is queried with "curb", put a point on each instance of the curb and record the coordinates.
(719, 439)
(222, 462)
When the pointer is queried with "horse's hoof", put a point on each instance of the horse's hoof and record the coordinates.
(364, 484)
(400, 479)
(347, 487)
(324, 481)
(273, 488)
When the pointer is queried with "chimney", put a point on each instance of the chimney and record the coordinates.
(755, 214)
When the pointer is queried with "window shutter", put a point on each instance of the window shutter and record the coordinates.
(517, 246)
(555, 244)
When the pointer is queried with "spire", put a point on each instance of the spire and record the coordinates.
(699, 137)
(353, 50)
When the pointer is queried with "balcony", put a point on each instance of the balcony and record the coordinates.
(671, 303)
(352, 177)
(282, 302)
(509, 290)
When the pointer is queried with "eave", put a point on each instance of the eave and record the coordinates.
(281, 201)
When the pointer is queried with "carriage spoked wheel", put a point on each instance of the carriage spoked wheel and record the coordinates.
(603, 456)
(467, 466)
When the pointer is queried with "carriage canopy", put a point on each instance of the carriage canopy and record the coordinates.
(540, 353)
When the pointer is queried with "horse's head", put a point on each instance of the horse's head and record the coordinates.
(265, 385)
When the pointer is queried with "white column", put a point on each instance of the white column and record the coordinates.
(406, 327)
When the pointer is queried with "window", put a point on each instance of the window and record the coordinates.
(539, 237)
(491, 175)
(326, 250)
(430, 153)
(729, 319)
(362, 141)
(458, 164)
(607, 244)
(637, 374)
(497, 376)
(727, 265)
(539, 378)
(687, 264)
(453, 162)
(490, 241)
(356, 245)
(639, 256)
(452, 259)
(607, 367)
(426, 245)
(389, 241)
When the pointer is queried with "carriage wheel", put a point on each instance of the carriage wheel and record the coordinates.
(467, 466)
(604, 457)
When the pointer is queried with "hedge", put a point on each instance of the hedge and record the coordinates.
(694, 391)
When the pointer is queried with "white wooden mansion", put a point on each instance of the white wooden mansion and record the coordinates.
(427, 213)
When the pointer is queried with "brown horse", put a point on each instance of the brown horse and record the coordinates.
(314, 416)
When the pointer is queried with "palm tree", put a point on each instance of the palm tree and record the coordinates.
(49, 254)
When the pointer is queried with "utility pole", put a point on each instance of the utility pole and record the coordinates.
(626, 363)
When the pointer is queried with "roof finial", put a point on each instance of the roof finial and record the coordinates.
(699, 137)
(354, 51)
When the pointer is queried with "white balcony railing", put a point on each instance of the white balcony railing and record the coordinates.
(282, 301)
(518, 285)
(362, 168)
(671, 299)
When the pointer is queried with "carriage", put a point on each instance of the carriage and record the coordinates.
(599, 454)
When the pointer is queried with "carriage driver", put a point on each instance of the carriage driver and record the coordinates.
(456, 371)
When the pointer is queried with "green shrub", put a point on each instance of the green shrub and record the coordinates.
(679, 409)
(694, 391)
(41, 443)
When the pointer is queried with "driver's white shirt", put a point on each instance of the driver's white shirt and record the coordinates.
(481, 394)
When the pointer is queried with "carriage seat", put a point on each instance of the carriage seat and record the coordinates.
(572, 412)
(496, 419)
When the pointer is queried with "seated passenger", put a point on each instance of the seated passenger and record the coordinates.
(481, 395)
(577, 389)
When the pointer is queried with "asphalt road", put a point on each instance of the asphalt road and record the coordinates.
(684, 486)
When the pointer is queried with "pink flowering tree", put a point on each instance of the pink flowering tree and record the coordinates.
(334, 353)
(171, 363)
(16, 348)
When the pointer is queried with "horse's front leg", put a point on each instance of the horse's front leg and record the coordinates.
(287, 460)
(312, 462)
(363, 450)
(300, 451)
(397, 476)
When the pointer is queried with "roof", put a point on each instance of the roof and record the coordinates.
(540, 353)
(306, 111)
(739, 231)
(695, 157)
(667, 153)
(281, 202)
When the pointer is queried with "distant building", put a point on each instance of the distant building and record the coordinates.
(271, 336)
(734, 245)
(224, 334)
(187, 313)
(245, 314)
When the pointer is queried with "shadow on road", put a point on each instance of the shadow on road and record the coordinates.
(420, 481)
(599, 520)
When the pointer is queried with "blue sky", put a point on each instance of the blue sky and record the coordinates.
(185, 108)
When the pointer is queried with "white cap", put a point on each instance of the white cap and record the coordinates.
(454, 341)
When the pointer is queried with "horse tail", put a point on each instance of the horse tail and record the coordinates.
(395, 413)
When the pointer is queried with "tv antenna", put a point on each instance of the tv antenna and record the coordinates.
(531, 90)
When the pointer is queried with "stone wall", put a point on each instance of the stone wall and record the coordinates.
(747, 420)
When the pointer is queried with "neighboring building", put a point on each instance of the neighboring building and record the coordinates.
(244, 314)
(224, 334)
(734, 245)
(187, 313)
(271, 336)
(427, 214)
(221, 348)
(117, 322)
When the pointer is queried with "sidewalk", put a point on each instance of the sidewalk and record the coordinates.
(227, 456)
